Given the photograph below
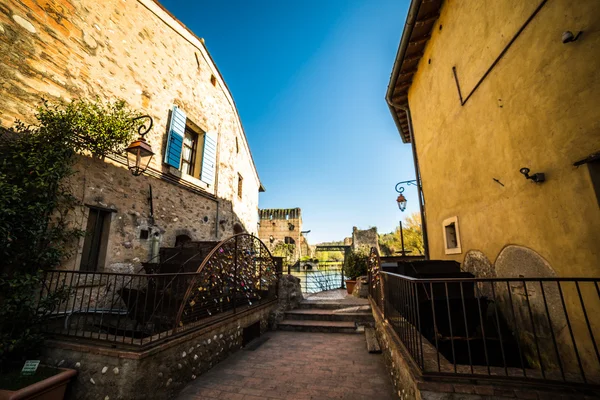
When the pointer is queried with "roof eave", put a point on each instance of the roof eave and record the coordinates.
(423, 13)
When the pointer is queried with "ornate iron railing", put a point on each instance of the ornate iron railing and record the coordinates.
(143, 309)
(237, 273)
(531, 329)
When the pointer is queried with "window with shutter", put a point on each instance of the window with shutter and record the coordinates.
(209, 158)
(190, 149)
(175, 139)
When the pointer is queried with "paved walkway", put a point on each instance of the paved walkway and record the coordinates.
(297, 366)
(335, 294)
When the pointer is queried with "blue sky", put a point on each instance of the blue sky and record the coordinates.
(309, 80)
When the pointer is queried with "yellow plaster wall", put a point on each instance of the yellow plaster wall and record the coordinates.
(538, 108)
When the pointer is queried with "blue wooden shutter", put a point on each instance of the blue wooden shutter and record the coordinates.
(175, 139)
(209, 158)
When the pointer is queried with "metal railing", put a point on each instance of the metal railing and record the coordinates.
(143, 309)
(319, 277)
(533, 329)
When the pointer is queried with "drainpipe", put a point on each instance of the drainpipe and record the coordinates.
(413, 146)
(411, 18)
(418, 175)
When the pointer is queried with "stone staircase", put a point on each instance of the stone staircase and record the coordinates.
(330, 316)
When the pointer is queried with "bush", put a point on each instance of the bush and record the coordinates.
(356, 264)
(35, 203)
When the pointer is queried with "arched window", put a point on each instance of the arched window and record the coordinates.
(181, 240)
(238, 228)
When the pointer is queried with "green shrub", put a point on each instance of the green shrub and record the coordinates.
(35, 205)
(356, 264)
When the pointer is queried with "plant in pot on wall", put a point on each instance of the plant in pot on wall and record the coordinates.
(356, 265)
(35, 234)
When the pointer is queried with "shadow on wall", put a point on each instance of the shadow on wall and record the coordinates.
(128, 219)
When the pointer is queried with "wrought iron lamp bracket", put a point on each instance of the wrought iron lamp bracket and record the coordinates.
(400, 187)
(142, 129)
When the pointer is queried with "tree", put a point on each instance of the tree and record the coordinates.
(391, 245)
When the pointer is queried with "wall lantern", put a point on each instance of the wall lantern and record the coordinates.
(401, 200)
(139, 152)
(538, 177)
(271, 238)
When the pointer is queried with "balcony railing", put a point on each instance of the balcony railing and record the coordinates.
(142, 309)
(533, 329)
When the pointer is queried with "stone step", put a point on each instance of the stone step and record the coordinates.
(372, 342)
(329, 315)
(329, 304)
(318, 326)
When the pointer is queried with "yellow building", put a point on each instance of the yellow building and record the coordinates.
(483, 89)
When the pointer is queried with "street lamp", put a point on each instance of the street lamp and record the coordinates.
(401, 200)
(139, 152)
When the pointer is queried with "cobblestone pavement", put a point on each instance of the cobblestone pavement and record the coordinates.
(297, 366)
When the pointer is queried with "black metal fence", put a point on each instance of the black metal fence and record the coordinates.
(318, 277)
(140, 309)
(544, 329)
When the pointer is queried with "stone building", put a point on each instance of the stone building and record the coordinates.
(202, 184)
(482, 90)
(283, 225)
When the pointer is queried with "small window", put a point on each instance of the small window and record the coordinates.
(237, 146)
(189, 151)
(181, 240)
(144, 234)
(289, 240)
(451, 236)
(240, 185)
(238, 228)
(213, 80)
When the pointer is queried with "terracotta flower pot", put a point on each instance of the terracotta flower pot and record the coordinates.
(52, 388)
(350, 285)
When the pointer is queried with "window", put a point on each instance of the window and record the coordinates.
(188, 155)
(190, 149)
(181, 240)
(213, 80)
(237, 146)
(96, 239)
(451, 236)
(240, 185)
(289, 240)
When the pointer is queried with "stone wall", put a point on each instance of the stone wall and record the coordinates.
(364, 239)
(159, 373)
(136, 51)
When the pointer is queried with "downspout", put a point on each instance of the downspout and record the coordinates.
(411, 18)
(418, 176)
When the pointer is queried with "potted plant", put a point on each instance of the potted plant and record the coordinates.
(355, 266)
(35, 232)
